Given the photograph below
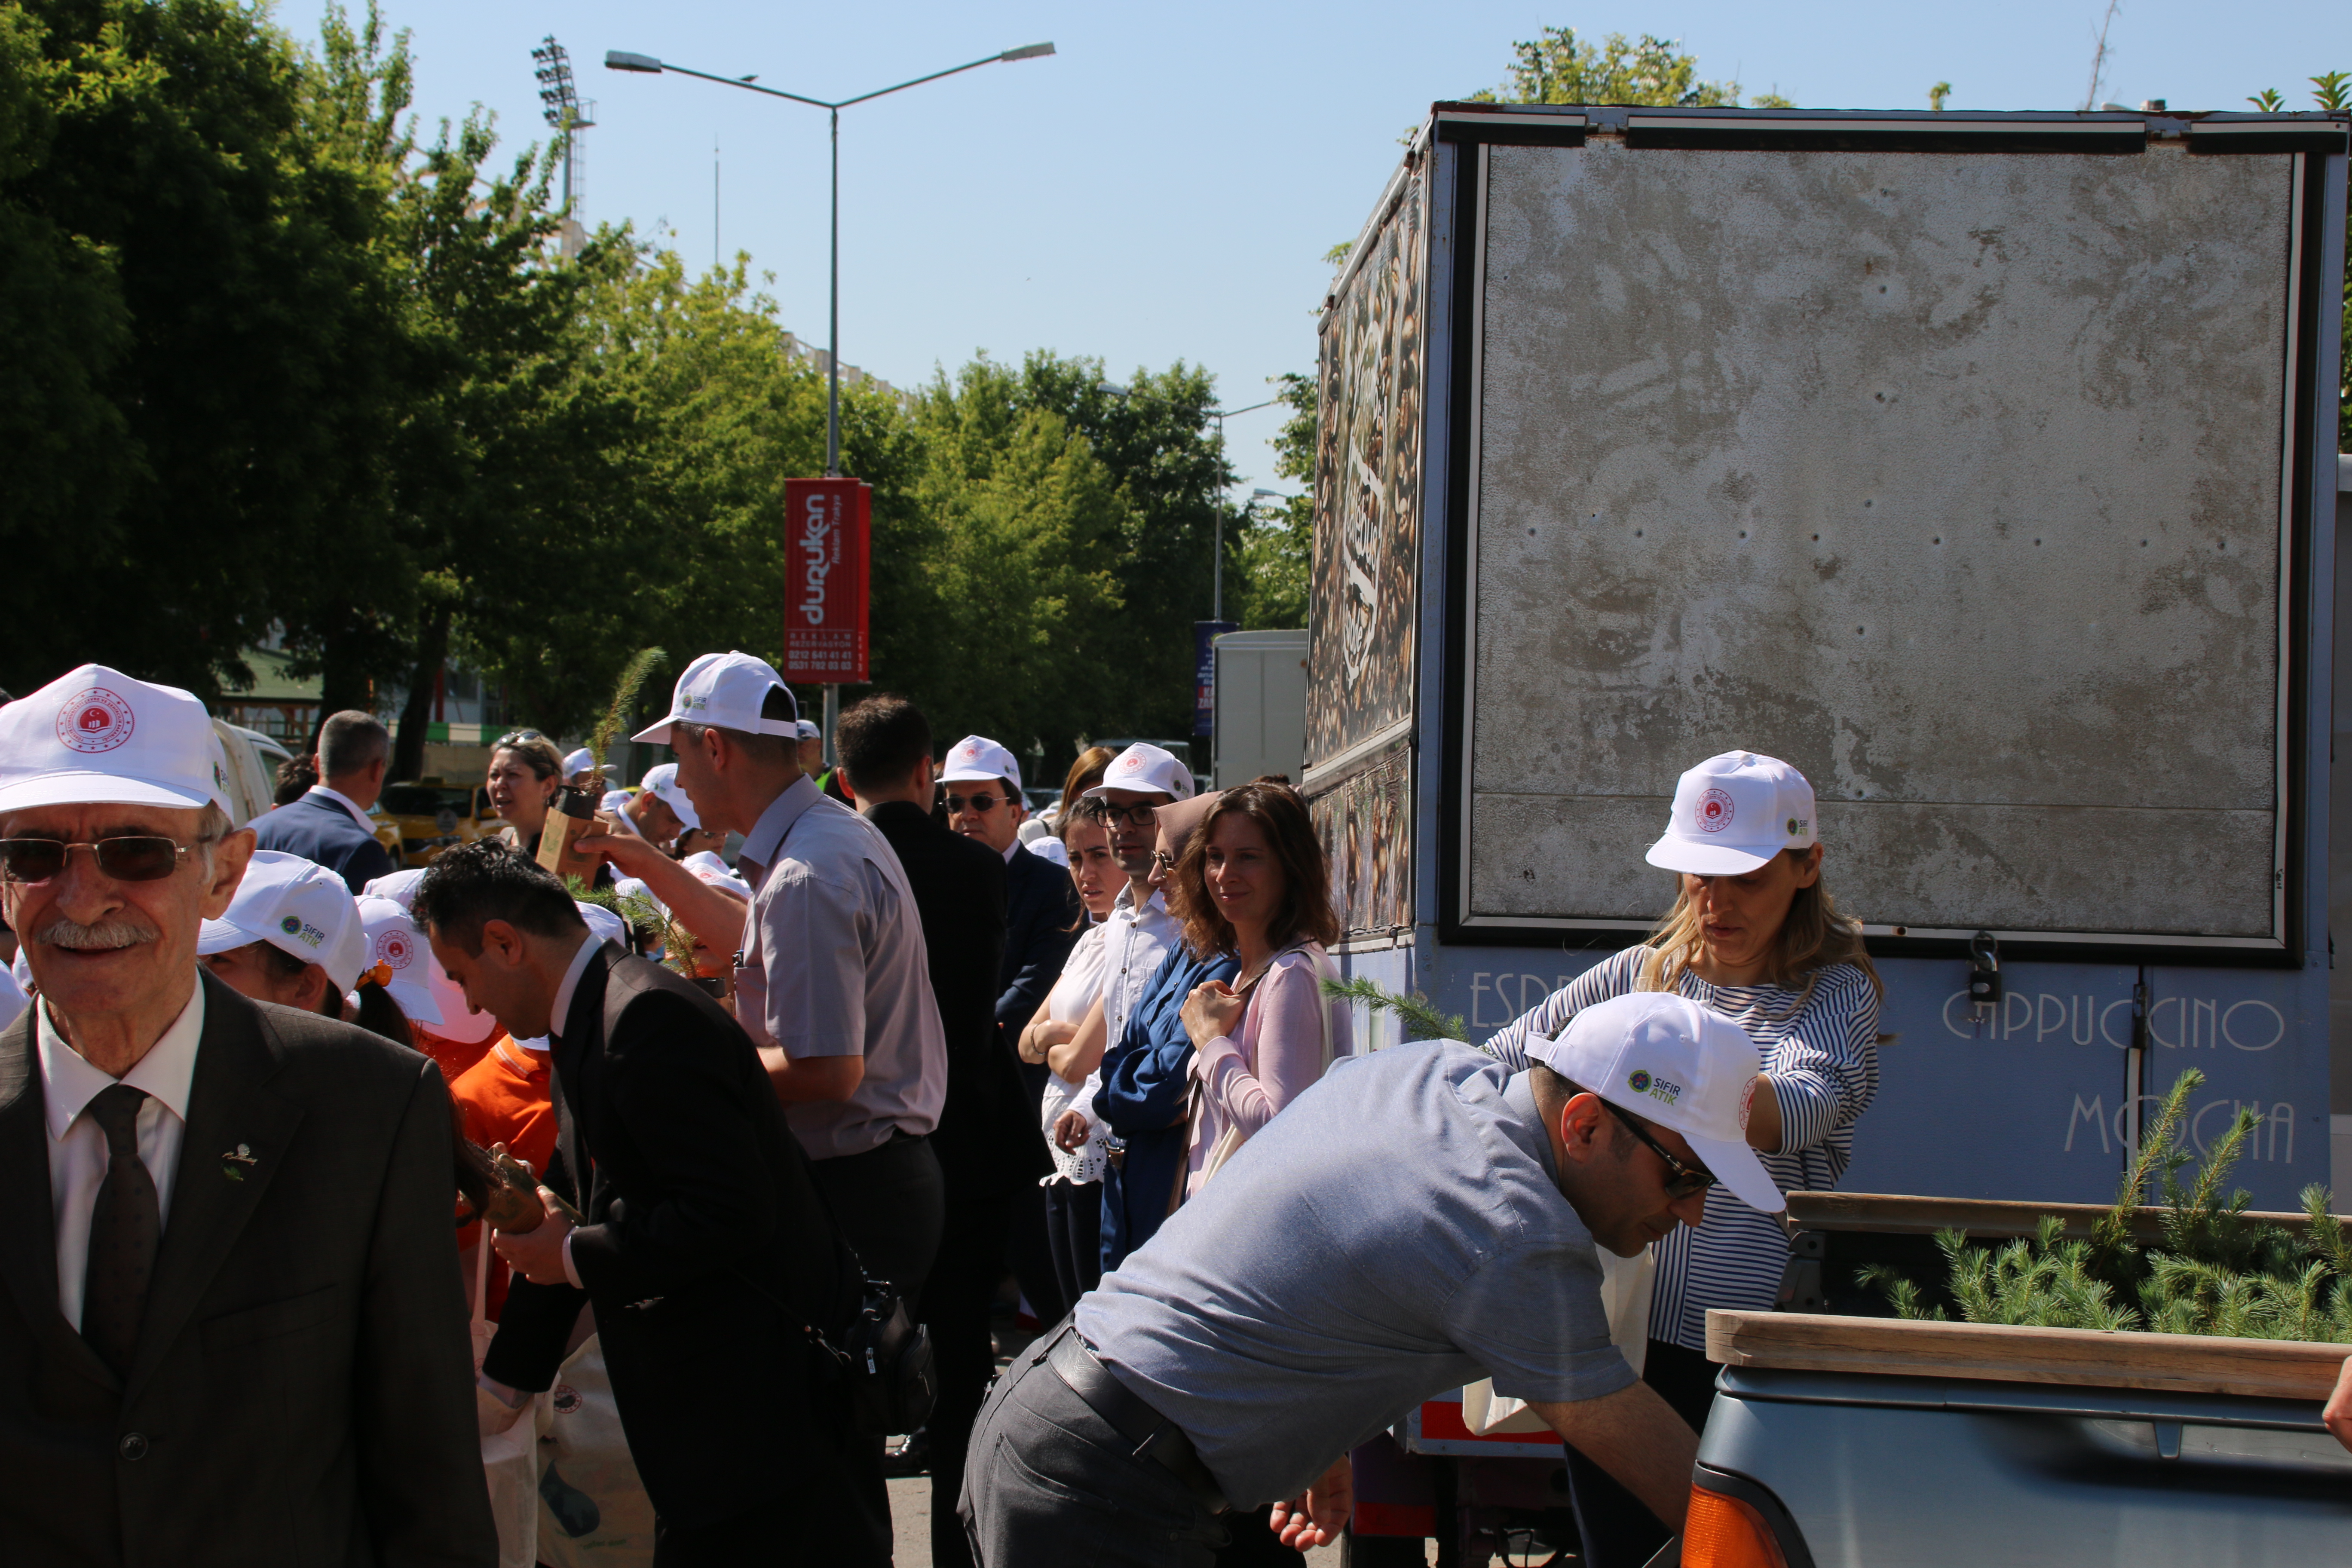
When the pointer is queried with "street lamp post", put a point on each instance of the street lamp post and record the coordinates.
(623, 61)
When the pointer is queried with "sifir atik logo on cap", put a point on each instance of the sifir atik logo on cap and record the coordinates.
(302, 931)
(95, 720)
(1657, 1089)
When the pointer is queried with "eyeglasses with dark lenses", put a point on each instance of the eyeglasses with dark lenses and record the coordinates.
(1681, 1181)
(983, 803)
(129, 858)
(1137, 816)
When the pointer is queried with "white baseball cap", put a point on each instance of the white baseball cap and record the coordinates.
(710, 868)
(297, 905)
(976, 757)
(1670, 1061)
(807, 731)
(400, 887)
(613, 800)
(1734, 813)
(726, 692)
(582, 760)
(663, 780)
(1048, 848)
(397, 950)
(1148, 769)
(95, 736)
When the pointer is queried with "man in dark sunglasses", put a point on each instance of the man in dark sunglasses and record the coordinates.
(288, 1157)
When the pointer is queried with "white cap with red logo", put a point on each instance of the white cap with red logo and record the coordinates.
(297, 905)
(726, 692)
(1671, 1062)
(95, 736)
(1734, 813)
(398, 957)
(976, 757)
(1147, 770)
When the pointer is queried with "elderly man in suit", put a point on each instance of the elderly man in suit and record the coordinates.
(703, 1241)
(231, 1329)
(329, 824)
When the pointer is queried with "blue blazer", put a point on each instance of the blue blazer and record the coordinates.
(318, 829)
(1146, 1079)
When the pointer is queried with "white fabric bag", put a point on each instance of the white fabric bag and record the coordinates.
(1626, 1285)
(510, 1440)
(593, 1508)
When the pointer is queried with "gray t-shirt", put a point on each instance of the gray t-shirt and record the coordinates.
(1393, 1233)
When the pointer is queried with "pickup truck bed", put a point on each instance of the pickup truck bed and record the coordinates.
(1978, 1443)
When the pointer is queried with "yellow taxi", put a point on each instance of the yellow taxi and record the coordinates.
(432, 816)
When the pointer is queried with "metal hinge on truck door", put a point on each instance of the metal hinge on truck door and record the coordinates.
(1984, 971)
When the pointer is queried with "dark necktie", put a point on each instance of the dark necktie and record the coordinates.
(125, 1229)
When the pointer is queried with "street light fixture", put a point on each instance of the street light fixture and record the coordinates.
(623, 61)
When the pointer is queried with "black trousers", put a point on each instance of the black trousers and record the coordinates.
(890, 1203)
(834, 1511)
(954, 1307)
(1074, 1233)
(1619, 1530)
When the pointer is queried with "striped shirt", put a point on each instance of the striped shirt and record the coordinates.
(1823, 1062)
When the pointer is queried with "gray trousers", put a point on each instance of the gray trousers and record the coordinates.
(1048, 1481)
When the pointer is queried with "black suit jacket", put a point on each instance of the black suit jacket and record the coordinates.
(1043, 919)
(707, 1249)
(986, 1139)
(318, 829)
(303, 1387)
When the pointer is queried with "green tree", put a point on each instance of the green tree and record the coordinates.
(1557, 67)
(1274, 553)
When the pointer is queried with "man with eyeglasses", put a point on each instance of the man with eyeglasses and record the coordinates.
(1140, 929)
(1423, 1217)
(230, 1315)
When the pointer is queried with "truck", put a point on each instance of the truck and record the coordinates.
(1983, 466)
(1259, 698)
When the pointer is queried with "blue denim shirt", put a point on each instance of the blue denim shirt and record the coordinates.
(1146, 1079)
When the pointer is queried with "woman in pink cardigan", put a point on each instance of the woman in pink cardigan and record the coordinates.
(1254, 884)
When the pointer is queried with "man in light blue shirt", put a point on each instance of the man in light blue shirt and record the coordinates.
(832, 983)
(1420, 1218)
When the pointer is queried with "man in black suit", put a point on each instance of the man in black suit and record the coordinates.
(704, 1245)
(231, 1329)
(990, 1145)
(1043, 918)
(329, 823)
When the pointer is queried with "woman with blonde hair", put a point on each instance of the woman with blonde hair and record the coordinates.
(1755, 935)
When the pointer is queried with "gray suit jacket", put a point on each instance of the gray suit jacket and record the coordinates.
(302, 1391)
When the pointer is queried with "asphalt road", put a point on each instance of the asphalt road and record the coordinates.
(910, 1520)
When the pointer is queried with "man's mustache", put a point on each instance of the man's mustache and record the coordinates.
(105, 935)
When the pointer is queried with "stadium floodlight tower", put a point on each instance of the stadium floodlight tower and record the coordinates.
(569, 115)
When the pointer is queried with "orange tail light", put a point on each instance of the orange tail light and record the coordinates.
(1725, 1532)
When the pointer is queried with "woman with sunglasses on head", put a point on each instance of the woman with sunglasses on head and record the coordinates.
(525, 779)
(1753, 934)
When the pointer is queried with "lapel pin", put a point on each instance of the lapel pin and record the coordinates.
(240, 1155)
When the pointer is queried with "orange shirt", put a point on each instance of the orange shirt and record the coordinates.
(455, 1057)
(507, 1098)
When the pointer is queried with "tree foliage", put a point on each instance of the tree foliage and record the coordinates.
(1557, 67)
(2214, 1271)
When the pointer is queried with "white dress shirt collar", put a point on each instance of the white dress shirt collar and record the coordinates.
(367, 823)
(1124, 904)
(68, 1082)
(561, 1013)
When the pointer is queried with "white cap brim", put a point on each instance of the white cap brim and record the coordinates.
(972, 775)
(88, 787)
(654, 734)
(1672, 854)
(1737, 1167)
(415, 999)
(220, 936)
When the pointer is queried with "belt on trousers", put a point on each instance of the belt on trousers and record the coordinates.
(1153, 1434)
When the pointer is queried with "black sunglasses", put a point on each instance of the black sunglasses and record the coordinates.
(983, 803)
(511, 736)
(129, 858)
(1681, 1181)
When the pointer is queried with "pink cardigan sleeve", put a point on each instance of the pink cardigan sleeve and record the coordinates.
(1284, 1030)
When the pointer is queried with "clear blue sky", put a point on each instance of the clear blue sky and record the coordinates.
(1166, 186)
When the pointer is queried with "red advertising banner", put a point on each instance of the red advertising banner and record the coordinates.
(826, 523)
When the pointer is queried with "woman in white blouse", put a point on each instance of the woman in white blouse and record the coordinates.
(1074, 1192)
